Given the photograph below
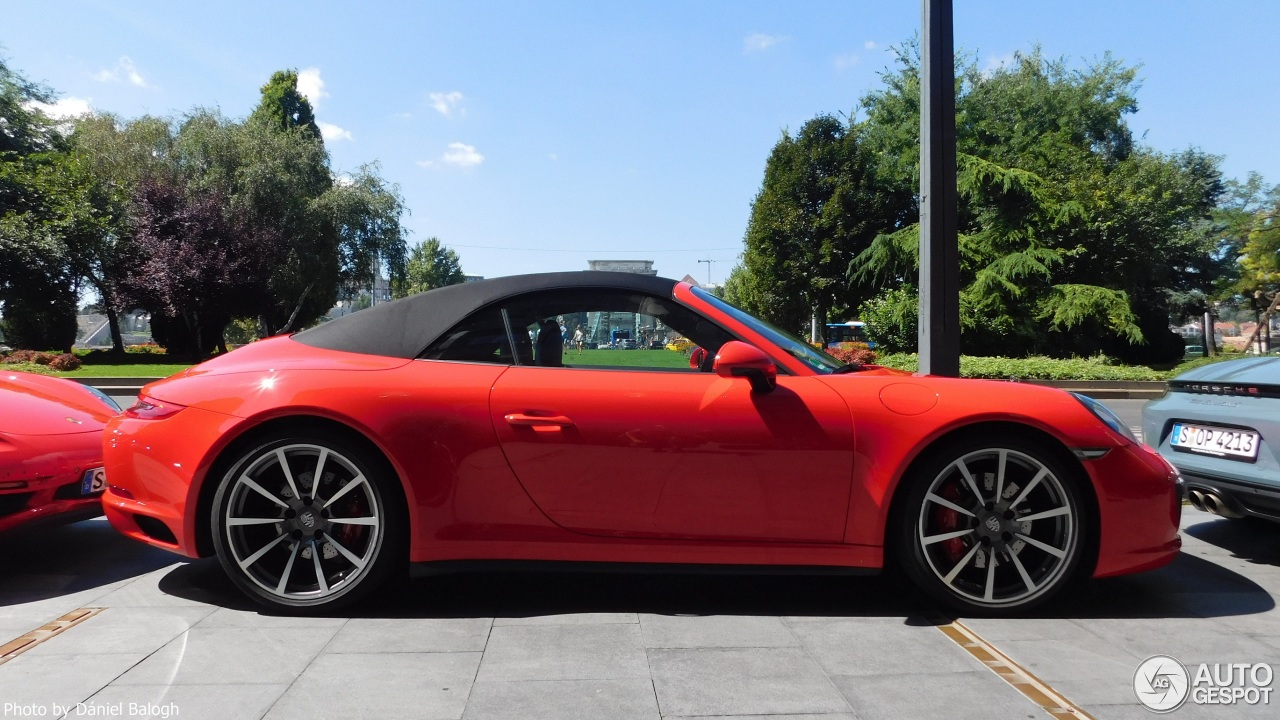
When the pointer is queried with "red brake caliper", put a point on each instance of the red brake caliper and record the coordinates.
(349, 534)
(945, 520)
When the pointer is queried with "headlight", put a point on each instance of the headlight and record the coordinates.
(1109, 418)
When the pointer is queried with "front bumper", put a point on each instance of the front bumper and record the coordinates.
(45, 473)
(1139, 510)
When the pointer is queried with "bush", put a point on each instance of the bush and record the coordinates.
(62, 362)
(853, 352)
(65, 362)
(1098, 367)
(145, 349)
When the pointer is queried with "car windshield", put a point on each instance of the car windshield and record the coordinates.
(795, 347)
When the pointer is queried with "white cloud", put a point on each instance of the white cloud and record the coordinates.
(331, 132)
(447, 103)
(311, 86)
(844, 62)
(759, 42)
(402, 116)
(124, 70)
(553, 157)
(64, 108)
(456, 154)
(870, 45)
(462, 155)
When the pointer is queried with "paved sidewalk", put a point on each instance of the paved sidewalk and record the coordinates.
(176, 636)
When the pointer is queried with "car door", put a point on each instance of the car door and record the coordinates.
(664, 451)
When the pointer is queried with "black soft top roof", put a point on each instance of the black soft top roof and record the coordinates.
(404, 328)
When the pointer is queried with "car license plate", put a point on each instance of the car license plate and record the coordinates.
(94, 481)
(1222, 442)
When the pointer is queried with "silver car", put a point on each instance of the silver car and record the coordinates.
(1220, 426)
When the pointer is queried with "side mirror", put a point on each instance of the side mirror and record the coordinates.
(738, 359)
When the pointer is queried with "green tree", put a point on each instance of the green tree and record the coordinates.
(24, 129)
(1073, 239)
(820, 204)
(121, 156)
(284, 108)
(365, 212)
(34, 259)
(429, 265)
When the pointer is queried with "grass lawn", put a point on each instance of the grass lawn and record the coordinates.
(626, 358)
(126, 370)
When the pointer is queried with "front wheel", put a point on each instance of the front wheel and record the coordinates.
(307, 523)
(991, 528)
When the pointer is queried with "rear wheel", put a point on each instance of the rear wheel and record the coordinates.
(307, 523)
(993, 528)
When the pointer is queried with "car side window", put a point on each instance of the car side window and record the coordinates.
(609, 329)
(481, 337)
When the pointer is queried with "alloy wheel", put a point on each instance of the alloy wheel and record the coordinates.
(301, 522)
(997, 527)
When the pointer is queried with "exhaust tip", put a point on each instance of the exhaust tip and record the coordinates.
(1197, 499)
(1216, 505)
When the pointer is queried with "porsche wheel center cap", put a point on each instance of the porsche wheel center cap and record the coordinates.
(993, 524)
(307, 519)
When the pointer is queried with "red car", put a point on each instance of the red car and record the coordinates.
(453, 425)
(50, 450)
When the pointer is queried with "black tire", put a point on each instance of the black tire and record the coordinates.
(298, 546)
(996, 542)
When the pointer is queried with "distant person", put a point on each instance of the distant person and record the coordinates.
(577, 339)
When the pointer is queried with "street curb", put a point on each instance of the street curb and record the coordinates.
(116, 385)
(1098, 389)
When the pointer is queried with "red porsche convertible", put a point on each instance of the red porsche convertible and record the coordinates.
(50, 450)
(456, 425)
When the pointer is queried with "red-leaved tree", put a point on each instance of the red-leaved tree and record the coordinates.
(196, 268)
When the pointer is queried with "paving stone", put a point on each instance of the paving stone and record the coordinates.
(741, 681)
(564, 652)
(806, 716)
(672, 631)
(1241, 614)
(976, 694)
(123, 630)
(569, 619)
(233, 618)
(1189, 711)
(627, 699)
(414, 635)
(997, 630)
(232, 656)
(424, 686)
(880, 646)
(1087, 670)
(1194, 640)
(45, 680)
(185, 702)
(145, 592)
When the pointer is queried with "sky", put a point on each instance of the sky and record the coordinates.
(535, 136)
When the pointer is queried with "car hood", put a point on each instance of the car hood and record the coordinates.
(1247, 371)
(33, 404)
